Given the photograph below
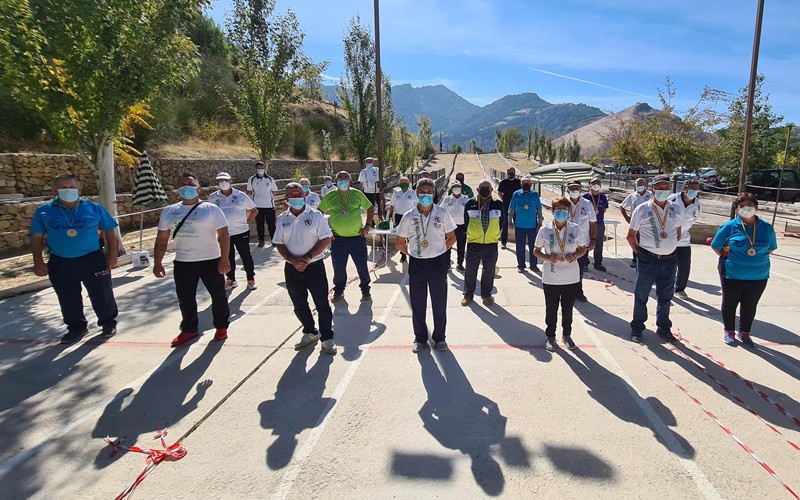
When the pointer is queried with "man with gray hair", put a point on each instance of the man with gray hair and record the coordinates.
(312, 198)
(301, 237)
(483, 216)
(403, 199)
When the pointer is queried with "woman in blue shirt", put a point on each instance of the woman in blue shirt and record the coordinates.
(746, 269)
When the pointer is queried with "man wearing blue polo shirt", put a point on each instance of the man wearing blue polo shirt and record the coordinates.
(524, 213)
(70, 225)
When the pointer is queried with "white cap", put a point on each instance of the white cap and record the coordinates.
(223, 175)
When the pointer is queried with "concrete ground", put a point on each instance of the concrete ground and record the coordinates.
(496, 415)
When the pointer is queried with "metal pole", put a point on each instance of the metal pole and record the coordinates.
(379, 106)
(783, 167)
(750, 97)
(141, 228)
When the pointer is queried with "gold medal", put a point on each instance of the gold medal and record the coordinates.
(663, 235)
(752, 241)
(525, 207)
(71, 232)
(596, 211)
(751, 252)
(424, 243)
(662, 222)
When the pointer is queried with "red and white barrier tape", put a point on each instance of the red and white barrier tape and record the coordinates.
(748, 383)
(717, 421)
(608, 285)
(170, 453)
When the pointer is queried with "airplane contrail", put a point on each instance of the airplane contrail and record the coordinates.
(592, 83)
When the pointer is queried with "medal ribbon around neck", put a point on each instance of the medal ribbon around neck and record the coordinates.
(346, 203)
(562, 244)
(71, 232)
(424, 228)
(751, 241)
(661, 222)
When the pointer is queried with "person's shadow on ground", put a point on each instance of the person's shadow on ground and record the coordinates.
(514, 331)
(298, 405)
(159, 402)
(462, 420)
(356, 329)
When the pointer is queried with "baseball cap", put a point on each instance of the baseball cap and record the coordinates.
(573, 183)
(660, 178)
(223, 175)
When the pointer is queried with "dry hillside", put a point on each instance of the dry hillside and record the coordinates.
(590, 136)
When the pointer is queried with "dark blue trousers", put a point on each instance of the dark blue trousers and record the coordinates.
(525, 236)
(428, 275)
(91, 271)
(659, 270)
(354, 247)
(314, 281)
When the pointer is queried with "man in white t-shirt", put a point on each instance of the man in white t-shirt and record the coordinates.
(312, 198)
(240, 211)
(637, 197)
(425, 233)
(454, 203)
(200, 232)
(301, 238)
(403, 199)
(658, 227)
(689, 201)
(327, 186)
(581, 212)
(369, 178)
(262, 188)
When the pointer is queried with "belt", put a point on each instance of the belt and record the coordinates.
(660, 257)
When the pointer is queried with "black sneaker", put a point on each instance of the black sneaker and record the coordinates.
(365, 296)
(600, 267)
(403, 258)
(460, 268)
(633, 264)
(260, 243)
(569, 342)
(535, 269)
(337, 297)
(108, 333)
(73, 336)
(636, 338)
(582, 298)
(550, 345)
(666, 336)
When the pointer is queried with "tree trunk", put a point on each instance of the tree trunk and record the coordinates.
(104, 169)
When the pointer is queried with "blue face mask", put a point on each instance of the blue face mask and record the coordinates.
(328, 183)
(296, 203)
(187, 192)
(691, 194)
(343, 184)
(426, 200)
(305, 188)
(662, 194)
(561, 215)
(68, 195)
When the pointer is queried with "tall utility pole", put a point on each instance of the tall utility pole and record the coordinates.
(751, 90)
(378, 91)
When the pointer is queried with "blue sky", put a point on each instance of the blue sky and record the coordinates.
(484, 49)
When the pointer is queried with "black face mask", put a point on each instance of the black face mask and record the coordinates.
(511, 176)
(485, 192)
(526, 187)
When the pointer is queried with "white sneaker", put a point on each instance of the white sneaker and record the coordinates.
(328, 346)
(230, 285)
(251, 285)
(307, 339)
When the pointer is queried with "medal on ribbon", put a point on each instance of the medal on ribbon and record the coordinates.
(752, 251)
(662, 221)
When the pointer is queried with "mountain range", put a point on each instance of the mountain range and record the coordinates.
(460, 121)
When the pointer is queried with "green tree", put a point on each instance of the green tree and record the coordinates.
(573, 152)
(270, 65)
(357, 89)
(327, 152)
(510, 138)
(86, 66)
(561, 151)
(425, 145)
(456, 148)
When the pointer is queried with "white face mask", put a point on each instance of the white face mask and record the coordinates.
(260, 171)
(574, 194)
(640, 189)
(661, 194)
(224, 185)
(747, 212)
(595, 187)
(456, 191)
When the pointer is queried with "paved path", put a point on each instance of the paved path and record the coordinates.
(496, 415)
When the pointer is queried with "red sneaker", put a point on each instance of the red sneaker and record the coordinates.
(183, 338)
(221, 334)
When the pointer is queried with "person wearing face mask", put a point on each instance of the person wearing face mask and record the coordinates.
(369, 180)
(751, 240)
(482, 216)
(454, 203)
(202, 246)
(505, 190)
(76, 257)
(559, 245)
(312, 199)
(403, 199)
(465, 189)
(600, 204)
(658, 226)
(262, 188)
(581, 212)
(301, 238)
(426, 234)
(524, 213)
(344, 206)
(688, 200)
(240, 211)
(637, 197)
(327, 186)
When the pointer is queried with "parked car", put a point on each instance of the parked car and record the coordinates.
(764, 184)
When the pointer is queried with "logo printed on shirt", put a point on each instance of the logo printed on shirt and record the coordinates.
(308, 222)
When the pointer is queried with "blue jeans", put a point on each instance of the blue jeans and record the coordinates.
(525, 235)
(343, 247)
(90, 270)
(659, 271)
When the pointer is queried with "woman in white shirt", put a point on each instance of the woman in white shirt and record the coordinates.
(559, 246)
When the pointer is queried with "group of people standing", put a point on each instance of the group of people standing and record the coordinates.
(207, 234)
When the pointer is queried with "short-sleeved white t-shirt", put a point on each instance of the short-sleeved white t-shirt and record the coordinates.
(645, 220)
(582, 213)
(368, 177)
(263, 189)
(403, 202)
(325, 190)
(559, 273)
(312, 200)
(690, 216)
(633, 200)
(235, 206)
(416, 228)
(197, 239)
(455, 207)
(300, 233)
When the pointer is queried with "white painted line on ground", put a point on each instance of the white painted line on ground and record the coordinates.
(293, 471)
(704, 486)
(784, 276)
(19, 458)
